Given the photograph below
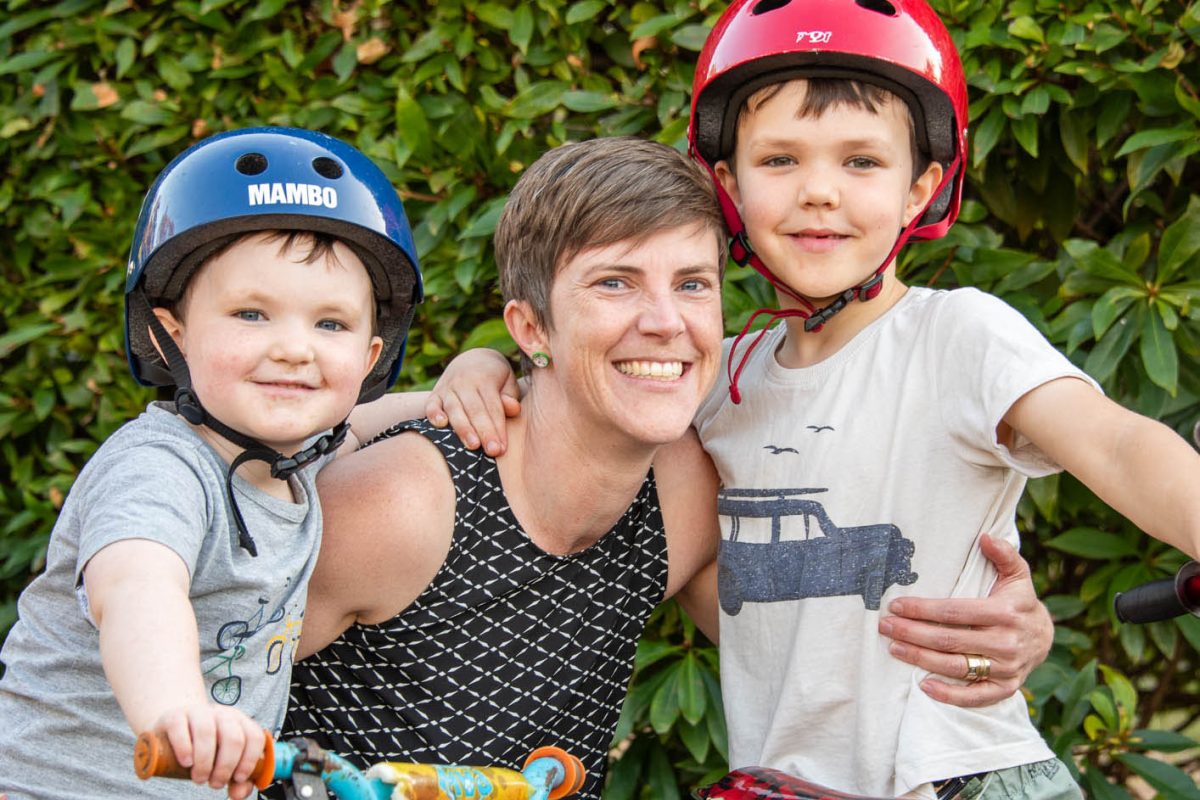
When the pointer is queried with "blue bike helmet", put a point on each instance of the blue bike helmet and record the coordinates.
(258, 179)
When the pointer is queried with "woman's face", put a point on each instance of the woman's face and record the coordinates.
(636, 336)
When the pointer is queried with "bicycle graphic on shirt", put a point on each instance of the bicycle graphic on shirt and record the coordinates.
(227, 690)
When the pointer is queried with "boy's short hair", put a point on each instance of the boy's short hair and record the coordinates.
(594, 194)
(822, 94)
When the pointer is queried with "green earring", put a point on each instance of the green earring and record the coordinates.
(540, 359)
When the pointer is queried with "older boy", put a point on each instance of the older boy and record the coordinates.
(881, 422)
(272, 280)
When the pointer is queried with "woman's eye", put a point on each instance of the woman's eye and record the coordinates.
(612, 283)
(249, 315)
(331, 325)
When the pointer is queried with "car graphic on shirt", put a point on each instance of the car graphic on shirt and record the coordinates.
(830, 561)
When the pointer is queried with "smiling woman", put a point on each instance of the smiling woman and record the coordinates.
(494, 605)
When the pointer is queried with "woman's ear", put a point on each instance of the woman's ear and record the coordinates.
(174, 328)
(922, 190)
(524, 327)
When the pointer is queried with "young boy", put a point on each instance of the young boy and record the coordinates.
(857, 443)
(272, 280)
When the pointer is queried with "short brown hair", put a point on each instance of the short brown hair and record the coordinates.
(594, 194)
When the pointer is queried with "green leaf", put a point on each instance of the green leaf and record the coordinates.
(19, 336)
(1161, 741)
(1123, 693)
(582, 12)
(1102, 701)
(1100, 789)
(1180, 241)
(695, 739)
(691, 37)
(1158, 353)
(24, 62)
(1171, 781)
(987, 134)
(660, 777)
(1073, 132)
(495, 15)
(1092, 543)
(1100, 262)
(1111, 305)
(649, 651)
(1157, 136)
(522, 27)
(1027, 28)
(664, 706)
(1025, 130)
(692, 699)
(654, 26)
(537, 99)
(587, 102)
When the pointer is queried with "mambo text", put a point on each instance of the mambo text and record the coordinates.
(295, 194)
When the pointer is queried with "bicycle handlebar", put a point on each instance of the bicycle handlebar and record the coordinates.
(549, 773)
(1161, 599)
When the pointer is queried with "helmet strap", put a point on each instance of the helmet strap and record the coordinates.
(188, 406)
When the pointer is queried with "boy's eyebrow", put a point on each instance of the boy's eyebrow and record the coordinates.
(788, 142)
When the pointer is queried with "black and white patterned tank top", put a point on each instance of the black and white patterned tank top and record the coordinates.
(507, 650)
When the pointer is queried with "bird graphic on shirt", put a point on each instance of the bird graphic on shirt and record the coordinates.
(777, 450)
(819, 428)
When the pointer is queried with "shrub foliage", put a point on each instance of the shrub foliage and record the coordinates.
(1083, 211)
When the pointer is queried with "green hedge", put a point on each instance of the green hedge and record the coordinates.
(1083, 211)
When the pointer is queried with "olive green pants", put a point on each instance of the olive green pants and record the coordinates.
(1042, 780)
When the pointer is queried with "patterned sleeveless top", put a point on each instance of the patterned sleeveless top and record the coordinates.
(508, 649)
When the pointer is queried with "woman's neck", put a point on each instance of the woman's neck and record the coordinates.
(566, 485)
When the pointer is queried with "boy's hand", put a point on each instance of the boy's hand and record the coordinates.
(1011, 627)
(475, 395)
(220, 744)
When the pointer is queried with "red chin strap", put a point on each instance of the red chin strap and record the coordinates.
(814, 318)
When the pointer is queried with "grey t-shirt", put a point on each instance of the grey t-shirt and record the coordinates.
(62, 734)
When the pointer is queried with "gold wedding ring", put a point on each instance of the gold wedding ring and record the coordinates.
(978, 668)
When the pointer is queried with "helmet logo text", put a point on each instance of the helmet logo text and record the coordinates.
(296, 194)
(813, 37)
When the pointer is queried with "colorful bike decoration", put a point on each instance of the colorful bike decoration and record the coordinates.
(309, 771)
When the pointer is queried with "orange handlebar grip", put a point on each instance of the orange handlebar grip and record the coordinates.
(574, 773)
(153, 757)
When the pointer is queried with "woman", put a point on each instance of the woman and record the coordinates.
(483, 606)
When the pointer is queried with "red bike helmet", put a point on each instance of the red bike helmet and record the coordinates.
(899, 45)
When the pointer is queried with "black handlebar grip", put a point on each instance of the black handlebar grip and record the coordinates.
(1149, 602)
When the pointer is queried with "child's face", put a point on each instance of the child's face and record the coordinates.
(824, 197)
(277, 348)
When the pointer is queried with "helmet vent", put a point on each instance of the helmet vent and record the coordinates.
(327, 167)
(251, 163)
(763, 6)
(878, 6)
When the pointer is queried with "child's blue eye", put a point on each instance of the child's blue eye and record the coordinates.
(249, 315)
(862, 162)
(693, 286)
(331, 325)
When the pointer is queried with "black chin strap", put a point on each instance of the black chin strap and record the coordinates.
(188, 406)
